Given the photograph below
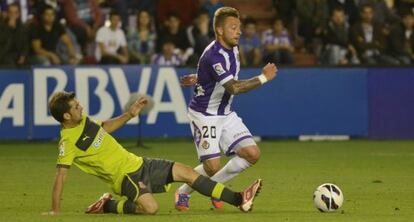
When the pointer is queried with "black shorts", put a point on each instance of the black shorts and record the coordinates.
(153, 176)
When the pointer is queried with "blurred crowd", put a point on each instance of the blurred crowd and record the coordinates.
(175, 32)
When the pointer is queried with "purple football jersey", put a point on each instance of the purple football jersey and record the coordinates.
(217, 65)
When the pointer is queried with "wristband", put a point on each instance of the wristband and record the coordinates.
(262, 78)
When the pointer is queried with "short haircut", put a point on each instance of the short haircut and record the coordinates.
(174, 14)
(337, 9)
(201, 12)
(249, 20)
(114, 13)
(406, 12)
(277, 19)
(366, 5)
(14, 4)
(222, 13)
(59, 104)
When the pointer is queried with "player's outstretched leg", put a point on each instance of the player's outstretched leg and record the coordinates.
(105, 204)
(208, 187)
(98, 206)
(245, 158)
(144, 204)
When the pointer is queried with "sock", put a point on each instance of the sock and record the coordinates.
(234, 167)
(187, 189)
(208, 187)
(120, 207)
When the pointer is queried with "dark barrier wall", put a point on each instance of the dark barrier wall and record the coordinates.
(374, 103)
(391, 103)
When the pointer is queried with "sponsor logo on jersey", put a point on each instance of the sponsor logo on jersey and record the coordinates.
(218, 68)
(85, 138)
(241, 134)
(61, 149)
(99, 139)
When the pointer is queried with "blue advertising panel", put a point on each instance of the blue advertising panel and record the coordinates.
(307, 102)
(391, 103)
(103, 92)
(15, 88)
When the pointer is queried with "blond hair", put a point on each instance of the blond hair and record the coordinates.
(221, 14)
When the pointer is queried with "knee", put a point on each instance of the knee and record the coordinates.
(252, 155)
(151, 208)
(211, 169)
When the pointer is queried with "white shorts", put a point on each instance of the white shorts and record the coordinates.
(215, 134)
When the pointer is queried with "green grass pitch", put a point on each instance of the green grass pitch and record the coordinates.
(377, 178)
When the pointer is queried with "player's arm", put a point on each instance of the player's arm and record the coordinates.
(117, 122)
(57, 190)
(188, 80)
(236, 87)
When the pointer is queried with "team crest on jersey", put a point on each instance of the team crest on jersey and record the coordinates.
(205, 144)
(199, 90)
(219, 69)
(61, 149)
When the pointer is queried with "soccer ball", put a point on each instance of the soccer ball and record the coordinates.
(328, 197)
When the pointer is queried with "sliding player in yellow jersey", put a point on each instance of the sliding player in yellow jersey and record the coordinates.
(89, 145)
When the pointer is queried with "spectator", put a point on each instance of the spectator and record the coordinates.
(83, 17)
(199, 34)
(38, 6)
(112, 45)
(386, 13)
(45, 37)
(140, 5)
(404, 5)
(141, 39)
(250, 44)
(277, 44)
(173, 32)
(350, 8)
(168, 55)
(369, 39)
(211, 6)
(313, 16)
(337, 49)
(63, 50)
(285, 10)
(120, 6)
(402, 39)
(186, 10)
(24, 6)
(14, 49)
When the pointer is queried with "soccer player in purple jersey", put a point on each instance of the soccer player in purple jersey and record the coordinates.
(216, 128)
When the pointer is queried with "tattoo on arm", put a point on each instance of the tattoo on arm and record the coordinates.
(236, 87)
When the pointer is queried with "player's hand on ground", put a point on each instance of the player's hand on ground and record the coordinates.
(188, 80)
(50, 213)
(270, 71)
(137, 106)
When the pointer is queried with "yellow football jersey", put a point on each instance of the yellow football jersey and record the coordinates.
(96, 152)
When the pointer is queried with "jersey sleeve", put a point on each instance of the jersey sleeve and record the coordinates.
(220, 68)
(100, 36)
(123, 41)
(67, 153)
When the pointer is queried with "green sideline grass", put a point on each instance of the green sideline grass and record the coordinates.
(377, 178)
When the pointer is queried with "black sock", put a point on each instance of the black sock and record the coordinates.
(236, 198)
(128, 207)
(208, 187)
(110, 207)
